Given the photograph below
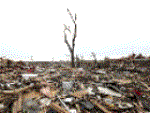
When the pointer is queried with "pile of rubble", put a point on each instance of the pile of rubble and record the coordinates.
(72, 90)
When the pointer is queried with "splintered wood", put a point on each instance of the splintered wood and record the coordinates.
(80, 94)
(58, 108)
(30, 95)
(15, 91)
(104, 109)
(122, 81)
(114, 90)
(48, 92)
(17, 106)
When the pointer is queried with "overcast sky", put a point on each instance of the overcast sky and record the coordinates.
(112, 28)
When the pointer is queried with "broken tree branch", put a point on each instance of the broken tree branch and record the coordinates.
(71, 16)
(75, 17)
(67, 28)
(66, 41)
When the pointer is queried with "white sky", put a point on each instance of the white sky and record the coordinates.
(112, 28)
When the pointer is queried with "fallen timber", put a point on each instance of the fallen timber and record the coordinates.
(80, 94)
(104, 109)
(58, 108)
(15, 91)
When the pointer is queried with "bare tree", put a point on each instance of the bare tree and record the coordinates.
(71, 49)
(95, 59)
(94, 55)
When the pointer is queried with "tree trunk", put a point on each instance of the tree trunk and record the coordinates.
(72, 59)
(71, 49)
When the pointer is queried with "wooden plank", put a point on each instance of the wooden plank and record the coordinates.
(30, 95)
(49, 93)
(17, 106)
(123, 81)
(104, 109)
(15, 91)
(14, 109)
(20, 102)
(80, 94)
(58, 108)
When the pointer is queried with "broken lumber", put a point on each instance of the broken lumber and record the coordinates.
(58, 108)
(15, 91)
(104, 109)
(80, 94)
(17, 106)
(49, 93)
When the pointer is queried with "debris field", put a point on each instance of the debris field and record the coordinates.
(72, 90)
